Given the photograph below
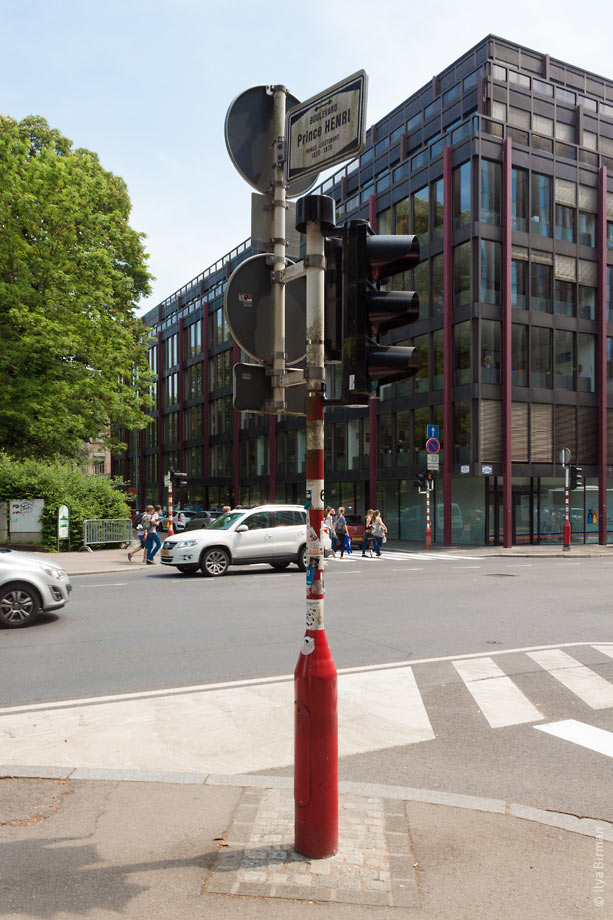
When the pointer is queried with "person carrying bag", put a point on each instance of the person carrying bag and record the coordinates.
(378, 532)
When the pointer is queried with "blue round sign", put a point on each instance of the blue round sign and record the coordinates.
(433, 445)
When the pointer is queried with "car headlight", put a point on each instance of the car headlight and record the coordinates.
(188, 543)
(53, 572)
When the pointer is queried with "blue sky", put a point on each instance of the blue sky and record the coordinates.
(147, 84)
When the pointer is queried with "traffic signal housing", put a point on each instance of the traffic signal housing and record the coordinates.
(420, 482)
(367, 311)
(179, 479)
(576, 477)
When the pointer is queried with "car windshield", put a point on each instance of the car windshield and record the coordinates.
(225, 521)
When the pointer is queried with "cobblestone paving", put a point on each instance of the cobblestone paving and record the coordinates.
(373, 865)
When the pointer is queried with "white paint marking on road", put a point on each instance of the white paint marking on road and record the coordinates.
(462, 568)
(414, 569)
(588, 736)
(108, 584)
(499, 699)
(589, 686)
(243, 729)
(519, 565)
(605, 649)
(254, 681)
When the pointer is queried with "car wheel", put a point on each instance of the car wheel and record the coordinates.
(188, 569)
(19, 605)
(279, 565)
(214, 562)
(302, 559)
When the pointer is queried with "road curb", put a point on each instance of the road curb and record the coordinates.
(586, 827)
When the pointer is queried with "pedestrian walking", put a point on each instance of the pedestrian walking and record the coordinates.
(367, 541)
(329, 526)
(378, 532)
(153, 542)
(142, 536)
(340, 526)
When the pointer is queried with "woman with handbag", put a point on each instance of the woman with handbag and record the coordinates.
(367, 541)
(378, 532)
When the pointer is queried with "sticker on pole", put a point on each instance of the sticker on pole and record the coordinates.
(328, 128)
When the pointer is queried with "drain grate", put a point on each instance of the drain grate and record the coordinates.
(499, 575)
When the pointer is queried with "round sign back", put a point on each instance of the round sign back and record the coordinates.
(250, 137)
(250, 311)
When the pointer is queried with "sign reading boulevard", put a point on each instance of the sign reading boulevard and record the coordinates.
(327, 128)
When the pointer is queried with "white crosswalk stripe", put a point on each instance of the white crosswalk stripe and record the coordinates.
(499, 699)
(247, 725)
(430, 557)
(589, 686)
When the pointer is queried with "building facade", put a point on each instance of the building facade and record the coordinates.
(503, 166)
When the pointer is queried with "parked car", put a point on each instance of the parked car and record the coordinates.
(355, 528)
(273, 534)
(200, 520)
(28, 585)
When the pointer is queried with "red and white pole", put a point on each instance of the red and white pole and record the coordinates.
(315, 679)
(428, 527)
(566, 535)
(170, 527)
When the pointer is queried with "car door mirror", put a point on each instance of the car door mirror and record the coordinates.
(242, 528)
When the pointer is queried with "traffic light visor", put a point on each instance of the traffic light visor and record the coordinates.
(390, 255)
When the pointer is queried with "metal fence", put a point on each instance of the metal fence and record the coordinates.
(106, 531)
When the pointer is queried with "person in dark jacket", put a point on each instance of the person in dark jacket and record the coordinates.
(340, 526)
(367, 541)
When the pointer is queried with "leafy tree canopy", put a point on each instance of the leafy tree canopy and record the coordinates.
(73, 354)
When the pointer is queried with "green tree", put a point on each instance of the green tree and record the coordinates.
(73, 354)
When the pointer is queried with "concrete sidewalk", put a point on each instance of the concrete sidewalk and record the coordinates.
(104, 561)
(105, 845)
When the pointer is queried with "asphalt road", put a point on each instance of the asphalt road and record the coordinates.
(153, 630)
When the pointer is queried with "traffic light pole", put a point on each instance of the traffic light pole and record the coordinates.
(279, 205)
(428, 527)
(170, 527)
(315, 679)
(566, 545)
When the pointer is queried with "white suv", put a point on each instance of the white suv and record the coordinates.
(275, 534)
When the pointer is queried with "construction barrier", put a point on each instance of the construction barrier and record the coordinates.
(106, 531)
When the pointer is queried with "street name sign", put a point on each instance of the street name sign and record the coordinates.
(327, 128)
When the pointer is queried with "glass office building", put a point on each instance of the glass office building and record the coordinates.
(501, 165)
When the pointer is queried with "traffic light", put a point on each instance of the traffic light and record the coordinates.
(367, 311)
(576, 477)
(420, 482)
(179, 479)
(333, 291)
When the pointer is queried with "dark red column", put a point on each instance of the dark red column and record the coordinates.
(206, 471)
(160, 420)
(235, 440)
(372, 406)
(602, 356)
(447, 344)
(181, 394)
(272, 457)
(507, 314)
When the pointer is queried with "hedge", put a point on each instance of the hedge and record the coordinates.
(58, 483)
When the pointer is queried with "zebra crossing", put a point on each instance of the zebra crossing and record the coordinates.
(247, 725)
(407, 556)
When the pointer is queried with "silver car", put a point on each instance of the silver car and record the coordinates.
(273, 534)
(29, 584)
